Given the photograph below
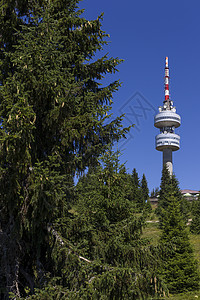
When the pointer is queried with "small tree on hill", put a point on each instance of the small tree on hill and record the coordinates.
(170, 186)
(145, 193)
(179, 266)
(195, 224)
(155, 193)
(135, 178)
(136, 194)
(144, 187)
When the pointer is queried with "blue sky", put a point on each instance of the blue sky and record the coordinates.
(143, 33)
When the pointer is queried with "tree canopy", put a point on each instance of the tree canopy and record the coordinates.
(53, 110)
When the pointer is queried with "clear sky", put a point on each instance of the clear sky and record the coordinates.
(143, 33)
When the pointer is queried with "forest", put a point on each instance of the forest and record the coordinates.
(90, 239)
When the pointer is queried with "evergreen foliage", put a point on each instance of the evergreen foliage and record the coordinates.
(135, 178)
(144, 187)
(60, 241)
(136, 193)
(169, 186)
(145, 193)
(107, 230)
(53, 110)
(155, 193)
(195, 224)
(102, 255)
(179, 267)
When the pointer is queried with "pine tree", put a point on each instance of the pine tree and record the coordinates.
(135, 178)
(195, 224)
(144, 187)
(155, 193)
(107, 230)
(169, 186)
(53, 112)
(179, 268)
(136, 193)
(166, 189)
(145, 193)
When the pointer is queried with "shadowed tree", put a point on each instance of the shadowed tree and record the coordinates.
(107, 228)
(53, 110)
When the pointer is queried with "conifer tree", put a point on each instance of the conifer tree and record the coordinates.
(53, 112)
(106, 228)
(145, 193)
(136, 193)
(155, 193)
(135, 178)
(169, 186)
(195, 224)
(166, 188)
(179, 268)
(144, 187)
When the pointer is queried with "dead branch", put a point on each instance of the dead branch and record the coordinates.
(64, 243)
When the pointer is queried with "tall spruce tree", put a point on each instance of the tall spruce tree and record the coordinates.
(52, 110)
(179, 268)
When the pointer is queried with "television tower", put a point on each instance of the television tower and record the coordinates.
(167, 120)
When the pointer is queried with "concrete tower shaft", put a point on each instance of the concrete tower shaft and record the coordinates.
(167, 160)
(167, 120)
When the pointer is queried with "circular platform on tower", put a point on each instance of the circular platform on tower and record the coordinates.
(167, 118)
(167, 140)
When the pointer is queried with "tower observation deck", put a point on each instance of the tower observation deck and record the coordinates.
(167, 120)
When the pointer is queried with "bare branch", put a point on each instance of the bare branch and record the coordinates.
(64, 243)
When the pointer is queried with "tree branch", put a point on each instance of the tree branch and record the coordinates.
(63, 243)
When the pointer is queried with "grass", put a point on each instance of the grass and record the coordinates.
(152, 232)
(183, 296)
(195, 241)
(186, 296)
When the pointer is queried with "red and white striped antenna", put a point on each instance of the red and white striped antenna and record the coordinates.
(166, 80)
